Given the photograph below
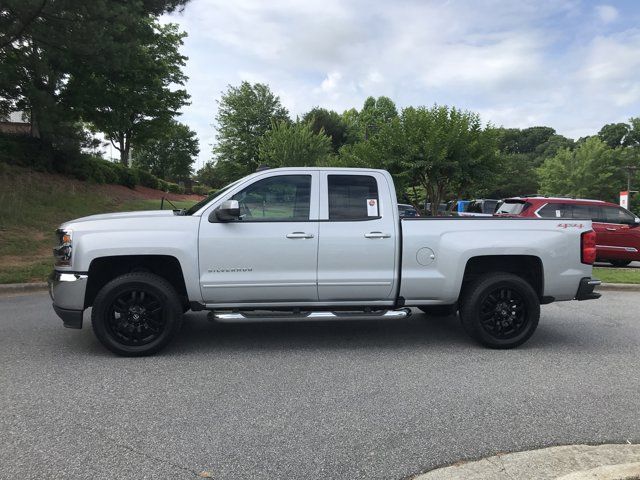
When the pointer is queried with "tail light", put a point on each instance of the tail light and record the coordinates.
(588, 247)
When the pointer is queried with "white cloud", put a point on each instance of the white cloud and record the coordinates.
(517, 63)
(607, 13)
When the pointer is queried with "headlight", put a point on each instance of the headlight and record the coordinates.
(63, 251)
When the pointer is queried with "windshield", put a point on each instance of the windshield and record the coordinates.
(204, 201)
(511, 207)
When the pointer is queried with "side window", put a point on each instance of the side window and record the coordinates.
(352, 197)
(592, 212)
(474, 207)
(281, 198)
(556, 210)
(617, 215)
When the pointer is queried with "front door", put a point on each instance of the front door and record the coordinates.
(269, 255)
(356, 257)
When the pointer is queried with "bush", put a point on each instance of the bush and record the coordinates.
(25, 152)
(200, 189)
(145, 178)
(170, 187)
(32, 153)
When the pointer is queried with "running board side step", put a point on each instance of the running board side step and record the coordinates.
(234, 317)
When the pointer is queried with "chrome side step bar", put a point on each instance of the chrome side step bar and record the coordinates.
(235, 317)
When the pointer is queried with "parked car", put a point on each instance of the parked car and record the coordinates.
(617, 229)
(312, 244)
(405, 210)
(442, 210)
(483, 207)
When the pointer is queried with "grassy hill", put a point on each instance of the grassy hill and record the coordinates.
(33, 204)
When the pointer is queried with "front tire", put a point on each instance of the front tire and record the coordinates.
(136, 314)
(500, 310)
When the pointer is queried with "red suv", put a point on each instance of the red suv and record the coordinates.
(617, 229)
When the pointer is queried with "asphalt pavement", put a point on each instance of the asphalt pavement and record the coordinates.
(374, 400)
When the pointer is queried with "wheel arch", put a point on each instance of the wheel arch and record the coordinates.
(104, 269)
(528, 267)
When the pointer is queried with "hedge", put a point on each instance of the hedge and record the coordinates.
(29, 152)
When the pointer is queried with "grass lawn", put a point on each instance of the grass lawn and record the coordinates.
(33, 204)
(617, 275)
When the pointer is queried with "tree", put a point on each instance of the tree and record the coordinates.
(438, 150)
(614, 134)
(375, 114)
(331, 123)
(171, 155)
(44, 43)
(592, 170)
(245, 114)
(132, 101)
(293, 145)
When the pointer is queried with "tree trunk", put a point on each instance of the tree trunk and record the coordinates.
(122, 147)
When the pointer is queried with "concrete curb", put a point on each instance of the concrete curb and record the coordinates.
(22, 287)
(569, 462)
(621, 287)
(627, 471)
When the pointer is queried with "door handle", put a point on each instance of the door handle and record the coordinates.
(377, 235)
(611, 229)
(299, 235)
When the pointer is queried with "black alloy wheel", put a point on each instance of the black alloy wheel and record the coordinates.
(136, 314)
(503, 313)
(135, 317)
(500, 310)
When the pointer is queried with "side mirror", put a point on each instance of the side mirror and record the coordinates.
(228, 211)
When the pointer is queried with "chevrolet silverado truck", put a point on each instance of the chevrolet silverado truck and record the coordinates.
(313, 244)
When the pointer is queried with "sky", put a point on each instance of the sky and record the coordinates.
(572, 65)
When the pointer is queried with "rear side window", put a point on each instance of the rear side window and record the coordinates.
(474, 207)
(592, 212)
(489, 206)
(556, 210)
(353, 197)
(617, 215)
(510, 207)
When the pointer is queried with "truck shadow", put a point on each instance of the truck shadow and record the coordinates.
(419, 331)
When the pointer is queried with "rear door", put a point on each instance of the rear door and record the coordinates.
(358, 238)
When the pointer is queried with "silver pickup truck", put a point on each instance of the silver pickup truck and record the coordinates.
(313, 243)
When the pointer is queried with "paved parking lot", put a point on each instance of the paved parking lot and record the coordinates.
(375, 400)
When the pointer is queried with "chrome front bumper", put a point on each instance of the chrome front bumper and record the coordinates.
(67, 292)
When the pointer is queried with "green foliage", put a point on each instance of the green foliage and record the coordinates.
(331, 124)
(440, 149)
(375, 114)
(169, 155)
(134, 98)
(592, 170)
(245, 113)
(145, 178)
(200, 189)
(293, 145)
(170, 187)
(66, 60)
(614, 134)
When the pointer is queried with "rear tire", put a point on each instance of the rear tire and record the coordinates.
(619, 263)
(439, 310)
(136, 314)
(500, 310)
